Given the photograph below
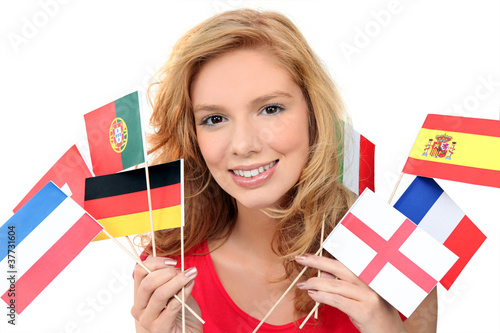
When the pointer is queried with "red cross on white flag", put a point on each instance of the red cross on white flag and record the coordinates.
(397, 259)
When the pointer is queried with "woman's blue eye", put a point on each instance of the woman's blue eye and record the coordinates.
(212, 120)
(272, 109)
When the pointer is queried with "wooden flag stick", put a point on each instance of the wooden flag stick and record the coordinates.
(284, 294)
(309, 315)
(320, 254)
(395, 188)
(148, 186)
(316, 306)
(182, 269)
(314, 310)
(132, 246)
(139, 262)
(143, 105)
(182, 241)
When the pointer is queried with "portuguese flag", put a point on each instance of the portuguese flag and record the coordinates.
(120, 201)
(115, 136)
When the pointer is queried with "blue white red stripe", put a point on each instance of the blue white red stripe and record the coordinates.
(50, 230)
(426, 204)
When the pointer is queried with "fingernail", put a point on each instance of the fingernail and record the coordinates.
(189, 284)
(170, 262)
(190, 272)
(312, 292)
(301, 258)
(301, 284)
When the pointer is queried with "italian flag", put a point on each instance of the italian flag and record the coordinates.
(115, 136)
(358, 165)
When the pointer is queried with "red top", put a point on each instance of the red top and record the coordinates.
(222, 315)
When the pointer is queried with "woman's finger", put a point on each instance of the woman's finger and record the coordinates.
(365, 307)
(328, 265)
(327, 275)
(153, 264)
(346, 305)
(161, 272)
(167, 319)
(332, 285)
(163, 295)
(174, 306)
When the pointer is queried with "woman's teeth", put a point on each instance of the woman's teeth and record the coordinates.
(254, 172)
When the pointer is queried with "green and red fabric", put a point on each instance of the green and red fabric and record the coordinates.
(115, 136)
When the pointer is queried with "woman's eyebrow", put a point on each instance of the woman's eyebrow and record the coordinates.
(206, 107)
(265, 98)
(255, 102)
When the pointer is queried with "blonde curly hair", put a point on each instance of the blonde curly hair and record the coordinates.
(318, 196)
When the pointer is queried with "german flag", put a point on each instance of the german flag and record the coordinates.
(120, 201)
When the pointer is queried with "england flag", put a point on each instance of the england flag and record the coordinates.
(397, 259)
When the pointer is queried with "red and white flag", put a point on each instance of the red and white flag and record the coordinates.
(398, 260)
(358, 165)
(69, 171)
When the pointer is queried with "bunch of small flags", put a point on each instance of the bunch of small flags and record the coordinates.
(402, 252)
(70, 206)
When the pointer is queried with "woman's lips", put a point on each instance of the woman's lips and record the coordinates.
(248, 172)
(254, 177)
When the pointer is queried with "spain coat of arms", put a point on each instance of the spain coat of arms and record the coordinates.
(441, 147)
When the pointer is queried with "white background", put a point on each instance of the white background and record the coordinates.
(62, 59)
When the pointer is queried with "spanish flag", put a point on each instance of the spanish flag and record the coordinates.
(120, 201)
(458, 149)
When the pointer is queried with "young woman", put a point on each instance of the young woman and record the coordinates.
(247, 105)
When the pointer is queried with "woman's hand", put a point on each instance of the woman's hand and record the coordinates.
(155, 308)
(340, 288)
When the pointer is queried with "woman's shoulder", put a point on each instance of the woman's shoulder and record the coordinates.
(193, 256)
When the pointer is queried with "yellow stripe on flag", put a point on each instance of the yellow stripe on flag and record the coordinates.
(138, 223)
(471, 150)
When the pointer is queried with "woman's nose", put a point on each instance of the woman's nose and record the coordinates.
(245, 139)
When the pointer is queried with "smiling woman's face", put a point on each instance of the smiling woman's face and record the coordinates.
(252, 126)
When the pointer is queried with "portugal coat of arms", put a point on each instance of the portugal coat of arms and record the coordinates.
(118, 135)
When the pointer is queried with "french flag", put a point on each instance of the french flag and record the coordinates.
(39, 241)
(426, 204)
(397, 259)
